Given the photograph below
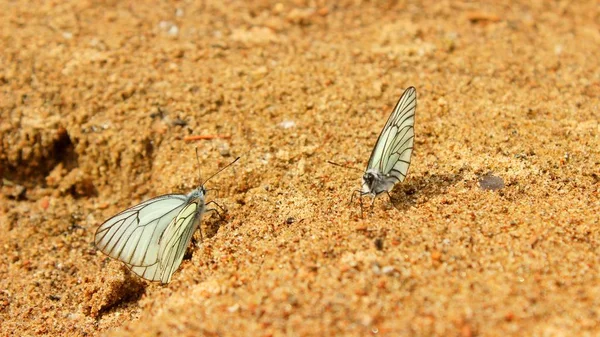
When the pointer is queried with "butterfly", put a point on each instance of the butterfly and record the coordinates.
(390, 158)
(151, 238)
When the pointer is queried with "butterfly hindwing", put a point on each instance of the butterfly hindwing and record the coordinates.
(150, 273)
(132, 236)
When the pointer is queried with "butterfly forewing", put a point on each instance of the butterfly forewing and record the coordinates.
(392, 152)
(177, 237)
(132, 236)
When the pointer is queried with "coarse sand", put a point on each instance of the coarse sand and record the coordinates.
(495, 232)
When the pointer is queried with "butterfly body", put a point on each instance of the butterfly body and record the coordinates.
(375, 183)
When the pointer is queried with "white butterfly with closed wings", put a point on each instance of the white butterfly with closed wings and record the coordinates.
(151, 238)
(390, 158)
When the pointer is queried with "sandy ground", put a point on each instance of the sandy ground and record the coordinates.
(96, 98)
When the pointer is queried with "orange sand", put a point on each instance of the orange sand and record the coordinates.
(96, 99)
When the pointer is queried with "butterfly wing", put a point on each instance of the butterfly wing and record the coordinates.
(150, 273)
(176, 238)
(392, 152)
(133, 235)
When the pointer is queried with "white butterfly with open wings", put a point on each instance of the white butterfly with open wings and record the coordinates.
(151, 238)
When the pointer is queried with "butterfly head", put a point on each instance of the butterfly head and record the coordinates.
(375, 182)
(198, 193)
(369, 180)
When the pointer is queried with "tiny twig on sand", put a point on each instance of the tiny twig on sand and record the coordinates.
(205, 137)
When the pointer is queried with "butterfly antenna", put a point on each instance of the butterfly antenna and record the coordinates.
(219, 171)
(344, 166)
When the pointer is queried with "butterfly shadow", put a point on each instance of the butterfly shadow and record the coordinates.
(406, 195)
(209, 226)
(212, 224)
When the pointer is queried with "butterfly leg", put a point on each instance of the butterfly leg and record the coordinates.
(372, 206)
(215, 209)
(362, 194)
(359, 192)
(216, 204)
(390, 198)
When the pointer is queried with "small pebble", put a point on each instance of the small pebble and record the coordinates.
(287, 124)
(491, 182)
